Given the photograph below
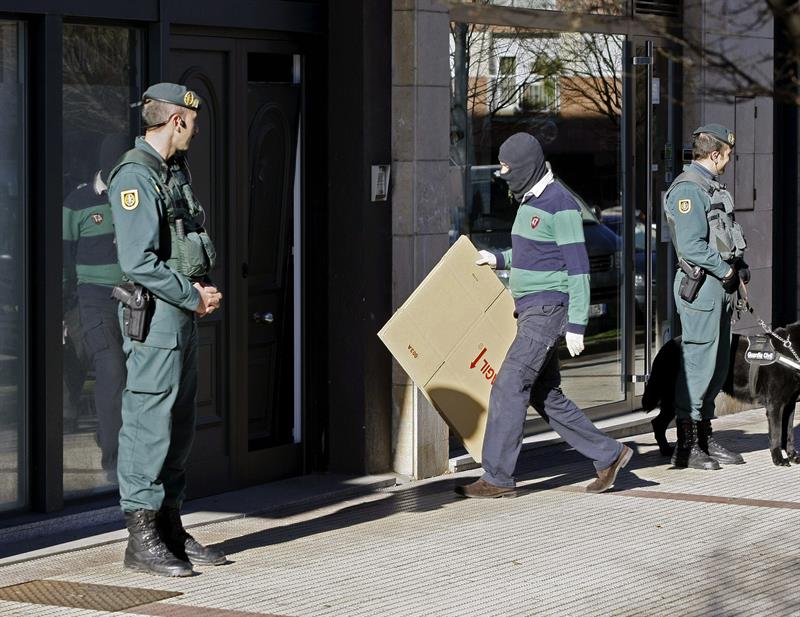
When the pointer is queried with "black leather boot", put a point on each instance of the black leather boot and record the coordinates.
(146, 552)
(713, 448)
(660, 433)
(183, 545)
(687, 450)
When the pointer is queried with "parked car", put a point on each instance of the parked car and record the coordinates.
(612, 218)
(493, 216)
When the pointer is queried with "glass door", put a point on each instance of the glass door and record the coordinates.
(582, 140)
(602, 106)
(566, 89)
(654, 166)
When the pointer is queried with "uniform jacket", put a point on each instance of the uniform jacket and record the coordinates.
(687, 207)
(142, 230)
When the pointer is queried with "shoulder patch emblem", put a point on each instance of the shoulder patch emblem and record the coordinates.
(97, 218)
(684, 206)
(130, 199)
(535, 222)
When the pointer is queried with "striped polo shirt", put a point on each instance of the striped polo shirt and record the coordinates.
(550, 264)
(90, 255)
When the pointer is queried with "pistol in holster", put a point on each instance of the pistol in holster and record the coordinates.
(693, 280)
(136, 309)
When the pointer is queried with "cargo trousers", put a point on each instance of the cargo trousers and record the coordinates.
(158, 411)
(705, 349)
(531, 375)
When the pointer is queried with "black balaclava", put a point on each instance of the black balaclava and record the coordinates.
(525, 159)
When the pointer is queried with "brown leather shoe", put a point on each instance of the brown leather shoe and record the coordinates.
(481, 489)
(605, 477)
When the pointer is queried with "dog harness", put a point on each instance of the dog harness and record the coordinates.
(761, 352)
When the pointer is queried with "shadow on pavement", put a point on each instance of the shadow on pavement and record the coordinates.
(743, 442)
(538, 470)
(564, 466)
(422, 498)
(85, 520)
(739, 440)
(557, 466)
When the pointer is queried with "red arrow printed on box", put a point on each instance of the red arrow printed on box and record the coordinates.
(486, 368)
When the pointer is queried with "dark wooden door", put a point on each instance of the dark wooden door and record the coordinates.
(266, 215)
(243, 165)
(206, 69)
(273, 111)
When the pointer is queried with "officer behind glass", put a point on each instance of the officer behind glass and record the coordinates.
(162, 247)
(710, 245)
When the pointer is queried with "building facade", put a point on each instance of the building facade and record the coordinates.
(303, 100)
(70, 71)
(612, 89)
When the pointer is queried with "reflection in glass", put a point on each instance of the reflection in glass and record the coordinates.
(13, 205)
(566, 90)
(101, 73)
(586, 7)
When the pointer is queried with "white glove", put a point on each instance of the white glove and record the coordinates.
(487, 258)
(574, 343)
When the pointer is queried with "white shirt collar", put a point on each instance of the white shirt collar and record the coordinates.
(537, 189)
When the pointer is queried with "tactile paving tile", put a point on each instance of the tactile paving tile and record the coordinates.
(83, 595)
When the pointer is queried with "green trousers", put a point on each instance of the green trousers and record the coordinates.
(705, 349)
(158, 411)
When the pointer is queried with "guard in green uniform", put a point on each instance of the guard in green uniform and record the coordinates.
(710, 245)
(166, 255)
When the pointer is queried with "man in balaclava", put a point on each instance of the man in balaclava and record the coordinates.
(550, 285)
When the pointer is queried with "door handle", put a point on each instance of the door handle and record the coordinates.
(263, 317)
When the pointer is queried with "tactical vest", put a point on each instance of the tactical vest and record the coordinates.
(192, 253)
(724, 233)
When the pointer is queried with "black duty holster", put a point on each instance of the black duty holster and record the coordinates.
(693, 280)
(137, 305)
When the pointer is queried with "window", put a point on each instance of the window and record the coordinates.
(507, 82)
(102, 76)
(586, 7)
(13, 268)
(541, 95)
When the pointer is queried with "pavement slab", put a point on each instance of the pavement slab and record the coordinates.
(663, 542)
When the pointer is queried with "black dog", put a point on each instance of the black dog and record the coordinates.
(777, 388)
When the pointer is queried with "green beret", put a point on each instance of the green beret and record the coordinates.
(725, 135)
(172, 93)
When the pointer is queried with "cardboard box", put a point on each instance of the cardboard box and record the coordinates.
(451, 336)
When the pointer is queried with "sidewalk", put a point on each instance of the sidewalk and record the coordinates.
(665, 542)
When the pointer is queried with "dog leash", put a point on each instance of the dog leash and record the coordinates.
(787, 344)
